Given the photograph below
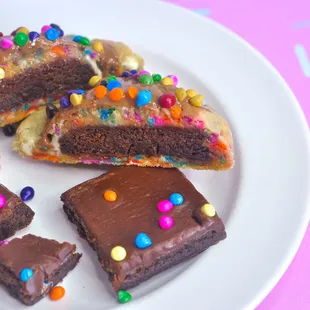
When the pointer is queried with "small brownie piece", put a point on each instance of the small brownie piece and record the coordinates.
(15, 214)
(30, 266)
(122, 216)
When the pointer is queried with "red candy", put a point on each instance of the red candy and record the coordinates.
(167, 100)
(1, 34)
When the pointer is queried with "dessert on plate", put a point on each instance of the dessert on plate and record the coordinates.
(31, 266)
(142, 221)
(14, 213)
(137, 119)
(37, 68)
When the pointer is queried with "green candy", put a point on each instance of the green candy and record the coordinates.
(123, 297)
(111, 78)
(156, 77)
(145, 79)
(21, 39)
(84, 41)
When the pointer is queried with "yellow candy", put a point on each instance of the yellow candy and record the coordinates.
(98, 46)
(2, 73)
(167, 81)
(196, 101)
(191, 93)
(118, 253)
(180, 93)
(23, 29)
(208, 210)
(76, 99)
(94, 80)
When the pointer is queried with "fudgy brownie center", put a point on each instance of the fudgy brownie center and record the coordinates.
(185, 143)
(46, 80)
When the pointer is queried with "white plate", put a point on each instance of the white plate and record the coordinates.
(263, 200)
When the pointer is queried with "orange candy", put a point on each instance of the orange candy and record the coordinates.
(100, 91)
(132, 92)
(57, 293)
(116, 94)
(58, 50)
(110, 195)
(176, 112)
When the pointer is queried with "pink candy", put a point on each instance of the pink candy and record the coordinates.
(165, 222)
(144, 72)
(175, 79)
(45, 28)
(6, 43)
(2, 201)
(4, 243)
(164, 206)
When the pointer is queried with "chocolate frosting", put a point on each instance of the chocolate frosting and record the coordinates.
(139, 190)
(43, 256)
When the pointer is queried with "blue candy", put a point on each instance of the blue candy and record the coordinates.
(126, 74)
(33, 35)
(133, 72)
(77, 38)
(25, 274)
(52, 34)
(176, 199)
(113, 84)
(55, 26)
(81, 91)
(144, 97)
(143, 241)
(27, 193)
(87, 52)
(64, 102)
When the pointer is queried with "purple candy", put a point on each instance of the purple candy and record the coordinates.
(165, 222)
(33, 35)
(144, 72)
(65, 102)
(126, 74)
(2, 201)
(164, 206)
(4, 242)
(175, 79)
(133, 72)
(6, 43)
(45, 28)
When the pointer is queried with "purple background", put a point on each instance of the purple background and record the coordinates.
(280, 29)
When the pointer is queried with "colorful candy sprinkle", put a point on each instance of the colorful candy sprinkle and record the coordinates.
(2, 201)
(143, 241)
(9, 130)
(110, 195)
(142, 72)
(57, 293)
(52, 34)
(98, 46)
(76, 38)
(132, 92)
(111, 78)
(126, 74)
(23, 29)
(94, 80)
(64, 102)
(21, 39)
(76, 99)
(4, 242)
(133, 72)
(27, 193)
(59, 30)
(58, 51)
(165, 222)
(45, 28)
(167, 81)
(174, 79)
(1, 34)
(33, 35)
(100, 91)
(164, 206)
(181, 94)
(116, 94)
(208, 210)
(196, 101)
(175, 112)
(25, 274)
(51, 110)
(191, 93)
(6, 43)
(156, 77)
(84, 41)
(176, 199)
(145, 79)
(118, 253)
(2, 74)
(104, 83)
(123, 297)
(144, 97)
(167, 100)
(113, 84)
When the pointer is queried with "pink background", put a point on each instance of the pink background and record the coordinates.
(275, 28)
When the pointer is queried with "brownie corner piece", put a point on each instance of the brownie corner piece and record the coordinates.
(31, 266)
(14, 215)
(166, 221)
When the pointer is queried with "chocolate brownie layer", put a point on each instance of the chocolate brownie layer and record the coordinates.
(15, 214)
(106, 224)
(46, 80)
(104, 141)
(49, 260)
